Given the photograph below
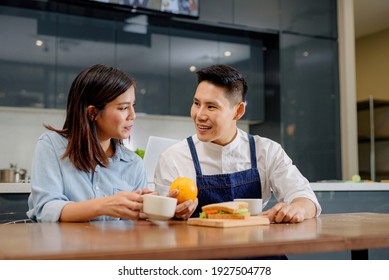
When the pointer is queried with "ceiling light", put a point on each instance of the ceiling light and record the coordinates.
(227, 53)
(192, 68)
(39, 43)
(135, 28)
(140, 19)
(136, 24)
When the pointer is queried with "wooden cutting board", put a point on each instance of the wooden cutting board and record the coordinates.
(251, 221)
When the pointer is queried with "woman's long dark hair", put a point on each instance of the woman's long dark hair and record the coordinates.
(96, 86)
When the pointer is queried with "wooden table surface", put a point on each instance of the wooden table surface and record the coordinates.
(177, 240)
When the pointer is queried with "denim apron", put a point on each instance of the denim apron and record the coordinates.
(225, 187)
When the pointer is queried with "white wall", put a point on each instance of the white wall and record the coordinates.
(21, 127)
(19, 130)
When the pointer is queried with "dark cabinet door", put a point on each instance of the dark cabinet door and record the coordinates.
(310, 105)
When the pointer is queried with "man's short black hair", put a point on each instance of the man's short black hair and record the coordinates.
(225, 76)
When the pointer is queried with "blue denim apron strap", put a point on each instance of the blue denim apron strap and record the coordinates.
(194, 155)
(253, 155)
(253, 152)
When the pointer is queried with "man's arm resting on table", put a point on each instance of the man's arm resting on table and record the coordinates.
(297, 211)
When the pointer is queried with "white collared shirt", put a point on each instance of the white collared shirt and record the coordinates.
(277, 172)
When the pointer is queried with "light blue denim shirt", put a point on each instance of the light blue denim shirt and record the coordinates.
(55, 182)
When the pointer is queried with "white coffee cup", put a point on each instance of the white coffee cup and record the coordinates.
(255, 205)
(160, 208)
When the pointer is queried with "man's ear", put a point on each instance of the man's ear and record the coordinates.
(92, 112)
(240, 110)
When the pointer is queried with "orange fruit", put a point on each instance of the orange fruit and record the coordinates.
(187, 189)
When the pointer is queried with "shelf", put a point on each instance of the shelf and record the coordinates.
(379, 176)
(364, 105)
(373, 124)
(367, 139)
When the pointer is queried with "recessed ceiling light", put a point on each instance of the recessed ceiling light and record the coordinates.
(192, 68)
(306, 53)
(39, 43)
(227, 53)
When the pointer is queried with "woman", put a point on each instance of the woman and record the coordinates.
(83, 172)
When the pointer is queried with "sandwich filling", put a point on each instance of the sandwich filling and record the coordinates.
(205, 213)
(225, 210)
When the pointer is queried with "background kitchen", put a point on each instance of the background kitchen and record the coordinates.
(287, 49)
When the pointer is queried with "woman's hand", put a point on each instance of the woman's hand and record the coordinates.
(148, 191)
(185, 209)
(124, 205)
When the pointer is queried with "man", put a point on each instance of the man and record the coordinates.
(226, 162)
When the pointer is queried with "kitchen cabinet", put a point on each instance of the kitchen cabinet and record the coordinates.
(161, 53)
(261, 14)
(310, 105)
(373, 139)
(13, 206)
(157, 51)
(287, 49)
(14, 201)
(313, 18)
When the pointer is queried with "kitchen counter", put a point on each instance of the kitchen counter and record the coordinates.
(349, 186)
(15, 187)
(317, 187)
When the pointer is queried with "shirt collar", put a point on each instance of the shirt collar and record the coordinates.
(120, 154)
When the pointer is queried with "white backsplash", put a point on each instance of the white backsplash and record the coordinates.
(21, 127)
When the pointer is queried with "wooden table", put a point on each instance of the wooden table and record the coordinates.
(143, 240)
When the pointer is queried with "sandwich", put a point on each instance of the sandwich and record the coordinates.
(225, 210)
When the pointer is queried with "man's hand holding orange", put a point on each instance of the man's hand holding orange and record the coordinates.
(185, 190)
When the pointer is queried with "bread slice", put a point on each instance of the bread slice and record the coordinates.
(229, 216)
(230, 207)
